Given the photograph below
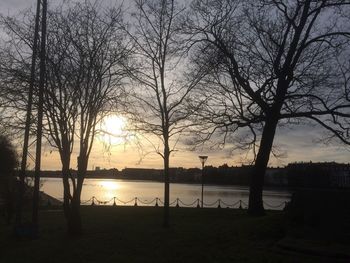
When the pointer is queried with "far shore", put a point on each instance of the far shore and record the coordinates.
(237, 176)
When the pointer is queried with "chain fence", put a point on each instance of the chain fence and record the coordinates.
(136, 201)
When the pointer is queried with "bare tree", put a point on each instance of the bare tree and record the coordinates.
(85, 80)
(39, 126)
(100, 50)
(85, 54)
(15, 68)
(8, 90)
(275, 63)
(160, 89)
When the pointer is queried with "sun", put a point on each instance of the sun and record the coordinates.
(113, 129)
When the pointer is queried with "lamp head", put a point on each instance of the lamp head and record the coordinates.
(203, 158)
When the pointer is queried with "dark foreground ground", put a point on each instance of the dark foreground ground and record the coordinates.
(135, 234)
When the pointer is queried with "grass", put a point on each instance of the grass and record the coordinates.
(135, 234)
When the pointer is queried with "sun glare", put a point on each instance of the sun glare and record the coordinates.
(113, 129)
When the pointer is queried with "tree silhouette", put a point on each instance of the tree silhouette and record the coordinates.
(85, 54)
(275, 63)
(160, 88)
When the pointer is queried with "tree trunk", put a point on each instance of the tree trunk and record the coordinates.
(256, 207)
(74, 218)
(66, 191)
(71, 205)
(37, 174)
(22, 173)
(9, 201)
(166, 184)
(73, 212)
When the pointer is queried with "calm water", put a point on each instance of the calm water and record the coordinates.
(146, 192)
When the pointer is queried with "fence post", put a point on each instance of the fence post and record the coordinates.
(177, 203)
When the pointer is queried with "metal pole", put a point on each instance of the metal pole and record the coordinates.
(40, 116)
(202, 158)
(22, 174)
(202, 181)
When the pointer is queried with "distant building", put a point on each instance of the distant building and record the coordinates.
(143, 174)
(319, 174)
(276, 177)
(340, 175)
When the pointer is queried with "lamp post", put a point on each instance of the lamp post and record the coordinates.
(202, 158)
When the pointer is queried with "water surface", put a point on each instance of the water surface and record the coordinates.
(125, 191)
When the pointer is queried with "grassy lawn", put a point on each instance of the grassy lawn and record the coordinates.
(135, 234)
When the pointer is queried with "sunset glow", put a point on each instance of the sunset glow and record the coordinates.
(113, 130)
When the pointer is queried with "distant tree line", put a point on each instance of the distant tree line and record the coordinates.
(293, 176)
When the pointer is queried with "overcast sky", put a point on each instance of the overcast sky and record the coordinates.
(13, 6)
(299, 143)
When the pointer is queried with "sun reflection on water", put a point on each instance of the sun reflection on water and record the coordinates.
(109, 185)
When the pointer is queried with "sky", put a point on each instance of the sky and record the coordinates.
(299, 143)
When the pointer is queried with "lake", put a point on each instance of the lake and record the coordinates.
(124, 192)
